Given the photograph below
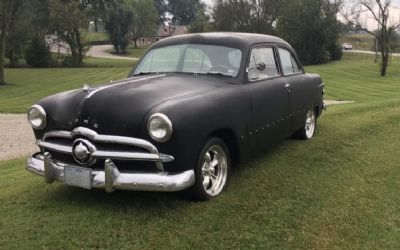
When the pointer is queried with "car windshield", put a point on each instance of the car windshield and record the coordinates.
(192, 58)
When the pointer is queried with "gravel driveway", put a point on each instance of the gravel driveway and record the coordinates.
(16, 136)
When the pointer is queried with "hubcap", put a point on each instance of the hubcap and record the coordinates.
(310, 123)
(214, 170)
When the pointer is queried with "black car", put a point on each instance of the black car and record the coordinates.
(194, 105)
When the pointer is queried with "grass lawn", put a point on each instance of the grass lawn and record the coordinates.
(337, 191)
(29, 85)
(132, 52)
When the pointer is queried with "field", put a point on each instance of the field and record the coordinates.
(360, 42)
(337, 191)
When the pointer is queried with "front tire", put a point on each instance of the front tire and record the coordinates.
(212, 170)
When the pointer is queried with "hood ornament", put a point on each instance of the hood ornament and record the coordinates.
(86, 88)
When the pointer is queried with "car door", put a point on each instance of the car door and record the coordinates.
(298, 87)
(269, 98)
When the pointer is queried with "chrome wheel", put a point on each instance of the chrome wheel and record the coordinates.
(309, 126)
(214, 170)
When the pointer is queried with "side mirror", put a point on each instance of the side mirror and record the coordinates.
(261, 66)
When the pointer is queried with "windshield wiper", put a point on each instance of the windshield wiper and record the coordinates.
(216, 74)
(145, 73)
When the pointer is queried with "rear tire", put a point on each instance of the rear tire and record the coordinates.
(212, 170)
(310, 125)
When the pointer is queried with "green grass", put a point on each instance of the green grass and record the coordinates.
(30, 85)
(96, 37)
(337, 191)
(132, 52)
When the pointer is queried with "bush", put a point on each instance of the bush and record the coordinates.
(335, 52)
(37, 54)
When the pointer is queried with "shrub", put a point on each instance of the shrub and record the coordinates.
(335, 52)
(37, 54)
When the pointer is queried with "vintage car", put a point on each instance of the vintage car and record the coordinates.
(193, 106)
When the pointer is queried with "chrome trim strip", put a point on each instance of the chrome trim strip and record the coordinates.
(111, 178)
(56, 147)
(94, 91)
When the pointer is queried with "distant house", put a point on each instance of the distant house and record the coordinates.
(162, 32)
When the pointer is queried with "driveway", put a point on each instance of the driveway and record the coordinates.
(16, 136)
(98, 51)
(367, 52)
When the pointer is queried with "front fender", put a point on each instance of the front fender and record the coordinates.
(195, 118)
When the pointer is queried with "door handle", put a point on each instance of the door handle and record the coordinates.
(287, 87)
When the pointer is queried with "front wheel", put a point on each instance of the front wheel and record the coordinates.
(310, 124)
(212, 170)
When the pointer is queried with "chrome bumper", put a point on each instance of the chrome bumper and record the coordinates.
(111, 178)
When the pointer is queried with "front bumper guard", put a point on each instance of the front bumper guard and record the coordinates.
(111, 178)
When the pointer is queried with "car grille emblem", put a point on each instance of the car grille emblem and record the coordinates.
(82, 151)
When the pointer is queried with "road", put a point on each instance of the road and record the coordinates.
(98, 51)
(367, 52)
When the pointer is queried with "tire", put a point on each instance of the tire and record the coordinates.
(211, 178)
(310, 125)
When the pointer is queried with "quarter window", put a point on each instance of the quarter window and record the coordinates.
(289, 64)
(262, 56)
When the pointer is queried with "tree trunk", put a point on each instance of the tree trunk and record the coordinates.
(3, 36)
(385, 62)
(80, 47)
(96, 25)
(135, 42)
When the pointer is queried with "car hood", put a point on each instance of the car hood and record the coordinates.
(120, 107)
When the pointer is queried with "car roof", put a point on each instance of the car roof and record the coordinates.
(230, 39)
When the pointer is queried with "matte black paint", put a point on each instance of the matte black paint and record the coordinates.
(255, 114)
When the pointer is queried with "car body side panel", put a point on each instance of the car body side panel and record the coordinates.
(197, 117)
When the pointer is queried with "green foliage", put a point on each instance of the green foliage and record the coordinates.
(311, 27)
(145, 19)
(336, 52)
(162, 8)
(247, 15)
(201, 23)
(117, 24)
(183, 11)
(37, 54)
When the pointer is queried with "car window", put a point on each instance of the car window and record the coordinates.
(192, 58)
(289, 64)
(163, 59)
(196, 61)
(266, 56)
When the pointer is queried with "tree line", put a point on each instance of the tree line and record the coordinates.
(28, 27)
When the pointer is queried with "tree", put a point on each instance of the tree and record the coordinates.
(183, 11)
(68, 18)
(201, 23)
(144, 19)
(232, 15)
(117, 24)
(312, 28)
(379, 10)
(9, 9)
(162, 8)
(258, 16)
(96, 10)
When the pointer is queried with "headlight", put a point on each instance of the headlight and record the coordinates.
(159, 127)
(37, 117)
